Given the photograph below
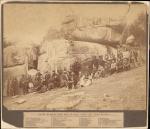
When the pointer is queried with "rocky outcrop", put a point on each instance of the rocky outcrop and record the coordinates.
(101, 35)
(60, 54)
(13, 55)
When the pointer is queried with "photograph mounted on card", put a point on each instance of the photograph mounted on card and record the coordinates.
(85, 58)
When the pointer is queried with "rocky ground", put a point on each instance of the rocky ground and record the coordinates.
(120, 91)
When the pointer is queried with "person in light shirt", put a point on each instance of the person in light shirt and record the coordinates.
(113, 66)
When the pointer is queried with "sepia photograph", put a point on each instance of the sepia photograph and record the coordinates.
(74, 56)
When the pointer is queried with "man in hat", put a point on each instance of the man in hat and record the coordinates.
(70, 80)
(64, 78)
(38, 81)
(56, 79)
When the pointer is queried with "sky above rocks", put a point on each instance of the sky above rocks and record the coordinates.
(29, 23)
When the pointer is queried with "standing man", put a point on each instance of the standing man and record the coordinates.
(101, 61)
(23, 84)
(107, 64)
(9, 86)
(47, 78)
(16, 88)
(38, 81)
(70, 80)
(76, 68)
(119, 60)
(56, 79)
(95, 62)
(64, 79)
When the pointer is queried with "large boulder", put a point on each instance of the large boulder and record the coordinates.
(17, 54)
(13, 55)
(14, 71)
(102, 35)
(85, 50)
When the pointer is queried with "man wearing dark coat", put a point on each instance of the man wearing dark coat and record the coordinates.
(95, 62)
(38, 81)
(76, 68)
(70, 80)
(101, 61)
(56, 79)
(47, 78)
(24, 84)
(16, 88)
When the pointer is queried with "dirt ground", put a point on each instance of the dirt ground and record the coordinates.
(120, 91)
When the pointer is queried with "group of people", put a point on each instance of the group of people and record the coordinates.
(42, 82)
(79, 75)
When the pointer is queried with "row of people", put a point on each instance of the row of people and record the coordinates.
(75, 77)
